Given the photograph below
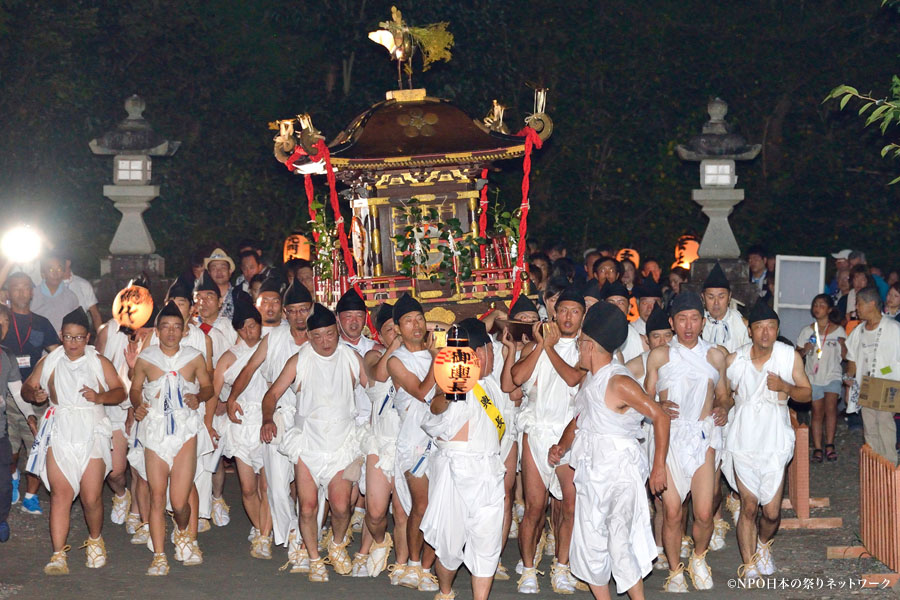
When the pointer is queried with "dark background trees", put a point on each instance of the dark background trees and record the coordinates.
(628, 81)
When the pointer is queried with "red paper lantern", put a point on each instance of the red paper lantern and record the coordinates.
(686, 251)
(456, 369)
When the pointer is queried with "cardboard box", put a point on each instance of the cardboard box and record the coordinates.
(880, 394)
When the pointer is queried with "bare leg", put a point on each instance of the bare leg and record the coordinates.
(831, 400)
(61, 497)
(535, 506)
(339, 497)
(770, 517)
(249, 492)
(481, 587)
(401, 545)
(116, 477)
(673, 524)
(702, 500)
(91, 496)
(509, 485)
(566, 475)
(746, 526)
(265, 513)
(309, 506)
(815, 423)
(218, 479)
(157, 480)
(445, 577)
(418, 489)
(182, 490)
(378, 497)
(141, 496)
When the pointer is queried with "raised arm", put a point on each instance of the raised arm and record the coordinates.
(403, 378)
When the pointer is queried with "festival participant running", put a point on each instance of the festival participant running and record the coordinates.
(612, 535)
(822, 344)
(548, 375)
(658, 332)
(240, 439)
(269, 359)
(170, 382)
(649, 295)
(71, 451)
(380, 448)
(413, 380)
(724, 327)
(760, 442)
(617, 294)
(464, 518)
(323, 440)
(351, 315)
(689, 376)
(209, 319)
(270, 304)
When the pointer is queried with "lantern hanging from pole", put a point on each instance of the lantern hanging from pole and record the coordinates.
(296, 246)
(456, 369)
(686, 251)
(133, 306)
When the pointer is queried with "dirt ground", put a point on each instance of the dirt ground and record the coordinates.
(228, 570)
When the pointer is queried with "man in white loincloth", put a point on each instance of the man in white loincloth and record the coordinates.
(324, 439)
(612, 535)
(240, 440)
(760, 441)
(413, 380)
(71, 453)
(617, 294)
(549, 376)
(688, 374)
(269, 358)
(169, 384)
(464, 518)
(380, 448)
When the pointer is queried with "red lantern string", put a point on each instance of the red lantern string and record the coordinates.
(482, 218)
(323, 153)
(531, 140)
(307, 181)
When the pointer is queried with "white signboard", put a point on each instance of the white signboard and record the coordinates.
(798, 279)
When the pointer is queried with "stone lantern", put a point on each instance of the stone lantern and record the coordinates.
(132, 144)
(716, 149)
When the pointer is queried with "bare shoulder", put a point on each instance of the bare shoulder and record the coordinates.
(658, 357)
(729, 360)
(716, 356)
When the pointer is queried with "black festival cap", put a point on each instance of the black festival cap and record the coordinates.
(686, 300)
(320, 317)
(570, 294)
(658, 320)
(205, 283)
(243, 310)
(593, 290)
(476, 331)
(406, 304)
(761, 311)
(522, 304)
(385, 313)
(351, 300)
(716, 279)
(271, 284)
(77, 317)
(297, 293)
(614, 288)
(169, 310)
(606, 324)
(180, 289)
(647, 289)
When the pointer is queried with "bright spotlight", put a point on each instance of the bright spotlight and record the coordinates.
(21, 244)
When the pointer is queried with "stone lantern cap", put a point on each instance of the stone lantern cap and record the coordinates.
(718, 141)
(134, 135)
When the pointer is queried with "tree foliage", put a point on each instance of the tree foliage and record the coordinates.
(628, 82)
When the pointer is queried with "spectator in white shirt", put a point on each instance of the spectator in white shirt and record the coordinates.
(52, 298)
(84, 291)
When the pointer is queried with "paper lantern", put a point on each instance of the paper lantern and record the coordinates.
(132, 307)
(456, 369)
(686, 251)
(630, 254)
(296, 246)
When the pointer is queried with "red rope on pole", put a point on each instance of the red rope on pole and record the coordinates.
(482, 218)
(323, 153)
(531, 140)
(307, 182)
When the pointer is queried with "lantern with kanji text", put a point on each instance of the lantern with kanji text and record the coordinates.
(456, 369)
(296, 246)
(132, 307)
